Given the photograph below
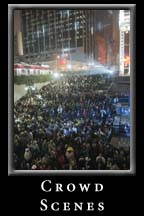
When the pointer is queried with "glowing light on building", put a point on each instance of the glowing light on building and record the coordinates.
(63, 61)
(126, 61)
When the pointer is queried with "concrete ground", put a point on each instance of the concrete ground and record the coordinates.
(19, 90)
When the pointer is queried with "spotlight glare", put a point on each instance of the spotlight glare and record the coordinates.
(91, 64)
(56, 75)
(110, 71)
(69, 66)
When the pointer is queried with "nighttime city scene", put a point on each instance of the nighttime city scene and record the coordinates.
(71, 89)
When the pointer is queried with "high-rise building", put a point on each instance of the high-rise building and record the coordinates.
(124, 23)
(49, 32)
(15, 45)
(80, 34)
(18, 45)
(18, 42)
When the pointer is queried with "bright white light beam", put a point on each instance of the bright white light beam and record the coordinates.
(69, 66)
(56, 75)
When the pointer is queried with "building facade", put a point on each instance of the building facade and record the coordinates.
(50, 32)
(124, 23)
(78, 35)
(18, 41)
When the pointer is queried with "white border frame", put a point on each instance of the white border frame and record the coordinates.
(132, 170)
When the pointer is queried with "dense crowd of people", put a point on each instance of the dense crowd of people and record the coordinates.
(67, 125)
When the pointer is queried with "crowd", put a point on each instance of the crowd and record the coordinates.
(67, 125)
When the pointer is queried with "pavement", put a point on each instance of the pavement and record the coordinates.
(19, 90)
